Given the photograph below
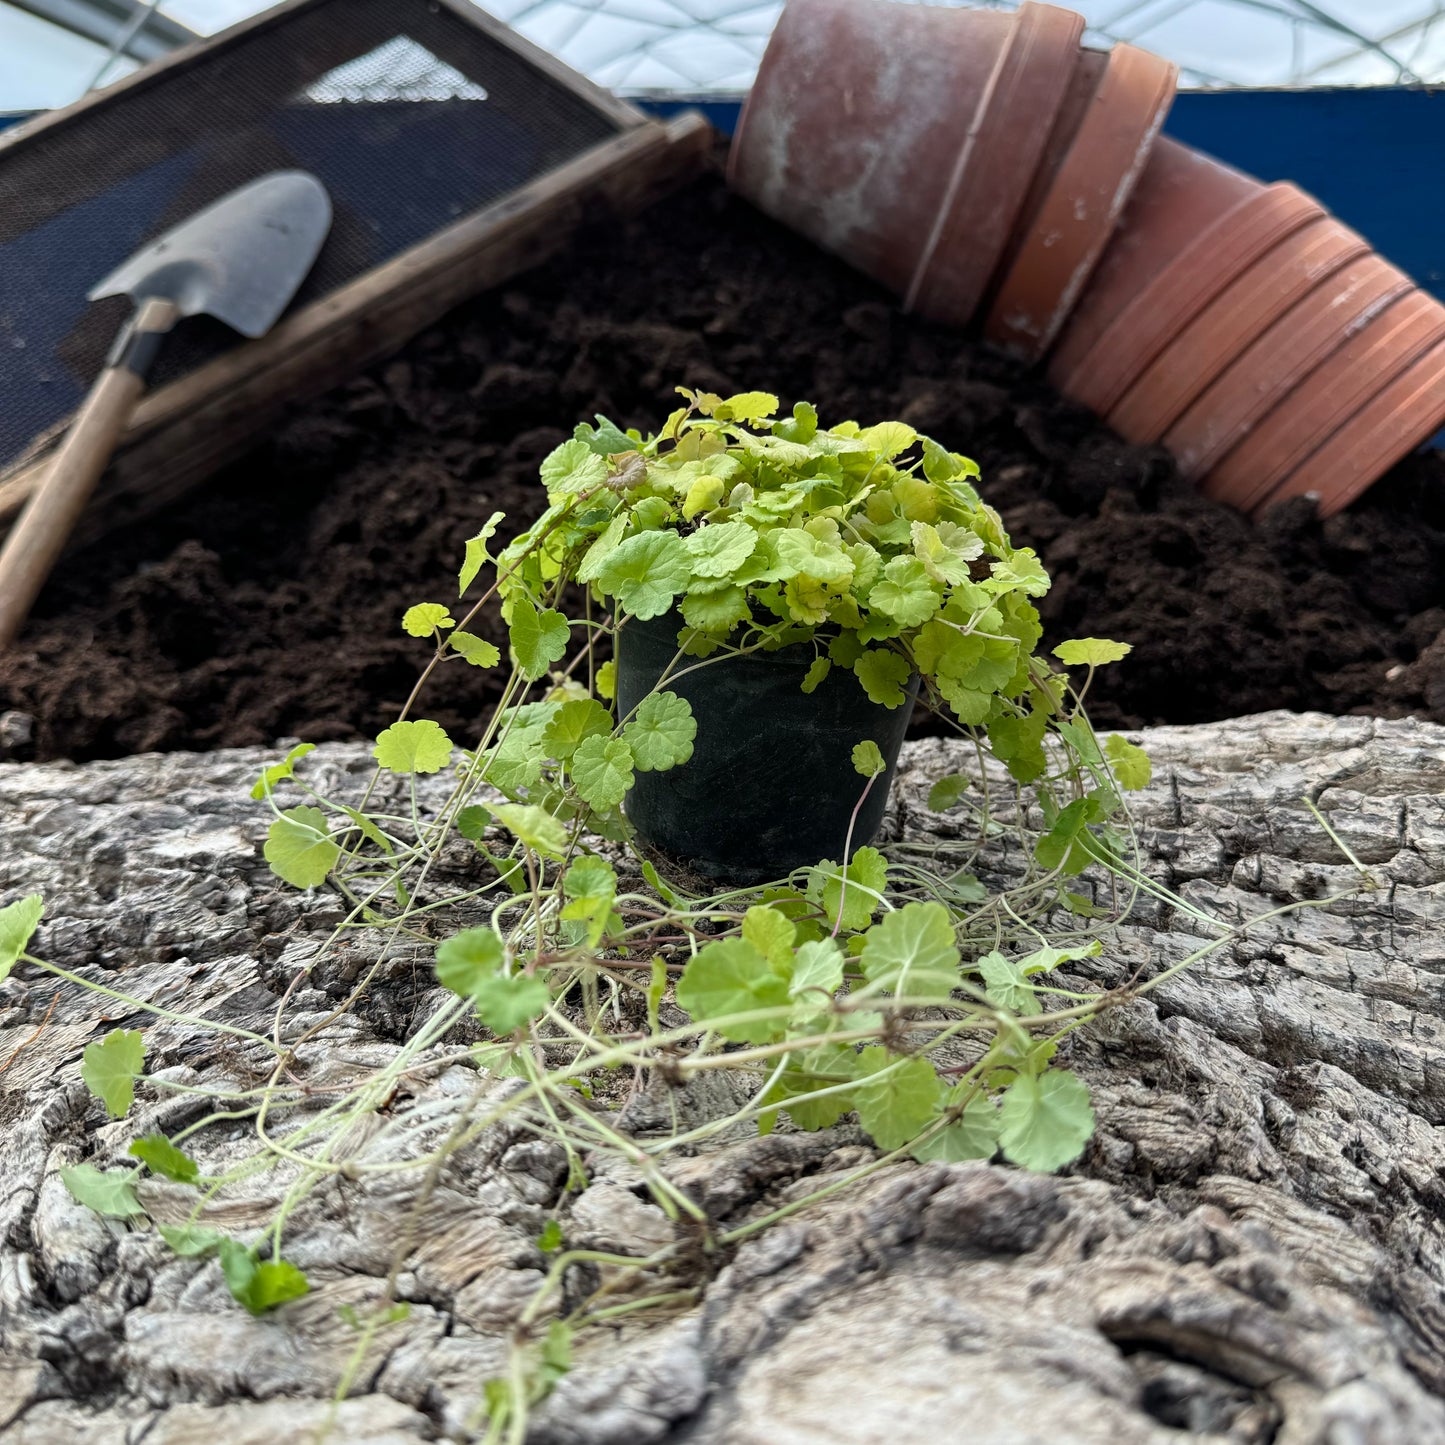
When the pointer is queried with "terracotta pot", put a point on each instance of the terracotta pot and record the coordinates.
(991, 177)
(1066, 233)
(1283, 358)
(1401, 416)
(853, 129)
(1235, 318)
(1078, 100)
(1191, 228)
(909, 139)
(1285, 439)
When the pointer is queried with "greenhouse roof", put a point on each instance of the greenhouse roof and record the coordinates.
(52, 50)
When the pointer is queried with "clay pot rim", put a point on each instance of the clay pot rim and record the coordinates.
(1196, 277)
(1282, 359)
(1107, 154)
(1254, 300)
(1380, 432)
(1181, 194)
(1006, 140)
(1403, 331)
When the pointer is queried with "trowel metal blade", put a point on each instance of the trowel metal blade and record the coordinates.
(239, 260)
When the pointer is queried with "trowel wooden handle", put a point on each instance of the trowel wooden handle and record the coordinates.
(43, 528)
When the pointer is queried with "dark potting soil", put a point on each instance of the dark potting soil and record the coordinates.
(268, 603)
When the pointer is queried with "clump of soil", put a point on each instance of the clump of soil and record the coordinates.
(268, 603)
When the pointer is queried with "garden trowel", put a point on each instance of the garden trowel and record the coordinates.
(240, 260)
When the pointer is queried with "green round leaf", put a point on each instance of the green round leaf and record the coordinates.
(590, 886)
(1021, 572)
(883, 674)
(602, 771)
(299, 849)
(905, 592)
(190, 1241)
(18, 922)
(868, 760)
(534, 826)
(946, 792)
(818, 669)
(278, 771)
(1046, 1121)
(259, 1286)
(572, 724)
(973, 1135)
(162, 1157)
(573, 467)
(716, 612)
(538, 638)
(661, 732)
(912, 951)
(797, 1089)
(412, 747)
(1091, 651)
(1130, 765)
(1007, 985)
(772, 934)
(506, 1004)
(590, 878)
(109, 1069)
(476, 650)
(468, 959)
(817, 965)
(703, 494)
(646, 572)
(867, 877)
(110, 1193)
(895, 1097)
(888, 438)
(472, 822)
(731, 977)
(424, 619)
(747, 406)
(946, 551)
(801, 553)
(720, 549)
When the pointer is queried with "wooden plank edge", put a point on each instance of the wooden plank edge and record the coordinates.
(183, 432)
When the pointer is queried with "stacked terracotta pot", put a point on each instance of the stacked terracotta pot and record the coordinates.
(992, 171)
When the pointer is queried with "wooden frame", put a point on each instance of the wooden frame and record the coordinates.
(183, 431)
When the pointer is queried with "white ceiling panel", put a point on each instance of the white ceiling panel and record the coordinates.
(714, 45)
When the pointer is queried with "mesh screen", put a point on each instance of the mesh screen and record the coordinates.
(409, 115)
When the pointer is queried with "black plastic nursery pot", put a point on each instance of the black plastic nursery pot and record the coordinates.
(770, 785)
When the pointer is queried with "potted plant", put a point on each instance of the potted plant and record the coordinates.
(780, 593)
(777, 593)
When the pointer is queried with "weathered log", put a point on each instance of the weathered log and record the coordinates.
(1252, 1248)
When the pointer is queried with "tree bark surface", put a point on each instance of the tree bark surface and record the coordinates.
(1251, 1250)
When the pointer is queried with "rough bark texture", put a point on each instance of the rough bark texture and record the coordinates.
(1251, 1250)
